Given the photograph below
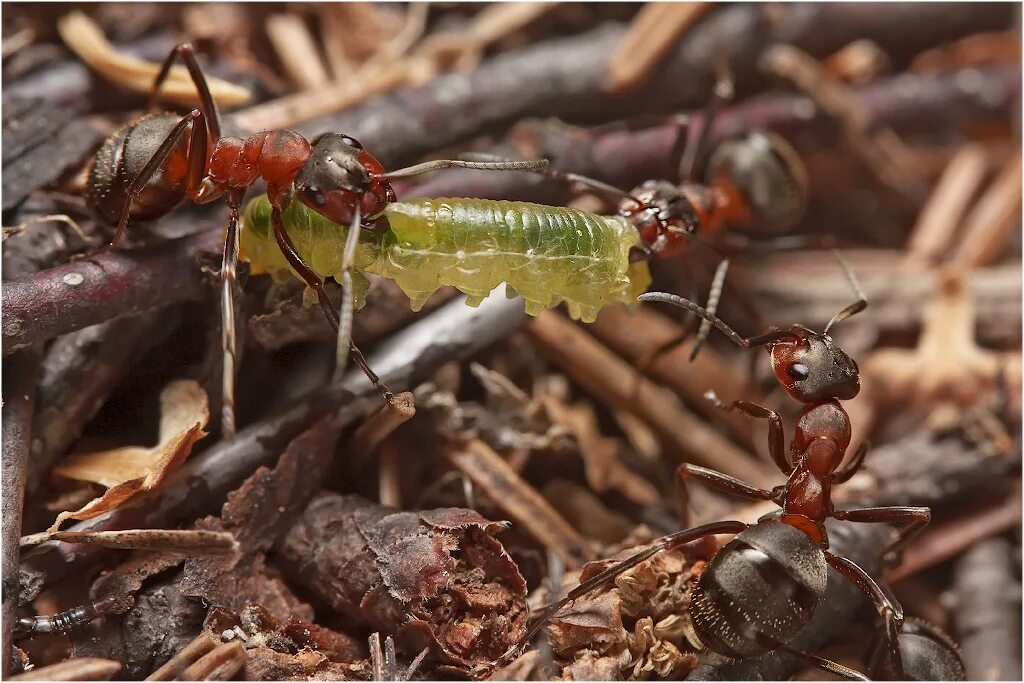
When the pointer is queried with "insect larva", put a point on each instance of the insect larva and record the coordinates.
(547, 254)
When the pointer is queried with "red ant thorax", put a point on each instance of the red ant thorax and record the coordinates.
(276, 156)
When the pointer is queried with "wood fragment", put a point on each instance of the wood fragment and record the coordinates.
(176, 665)
(858, 63)
(19, 387)
(295, 47)
(610, 379)
(932, 236)
(633, 334)
(187, 540)
(993, 220)
(986, 611)
(219, 664)
(86, 39)
(656, 27)
(945, 540)
(517, 498)
(81, 669)
(377, 427)
(882, 150)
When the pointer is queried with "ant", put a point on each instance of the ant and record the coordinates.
(750, 178)
(147, 167)
(762, 587)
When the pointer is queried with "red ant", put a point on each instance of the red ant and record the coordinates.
(148, 166)
(762, 588)
(752, 178)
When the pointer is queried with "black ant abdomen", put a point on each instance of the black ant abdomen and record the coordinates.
(768, 175)
(926, 654)
(760, 589)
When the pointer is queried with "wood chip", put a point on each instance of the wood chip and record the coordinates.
(655, 29)
(86, 39)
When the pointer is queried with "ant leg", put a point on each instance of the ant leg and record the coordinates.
(844, 473)
(717, 284)
(229, 263)
(776, 433)
(155, 162)
(820, 662)
(532, 166)
(313, 281)
(722, 94)
(665, 543)
(348, 298)
(719, 482)
(888, 608)
(206, 102)
(910, 520)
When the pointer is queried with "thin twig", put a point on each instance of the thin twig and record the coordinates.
(80, 669)
(190, 540)
(188, 655)
(606, 376)
(941, 215)
(19, 388)
(378, 426)
(519, 500)
(296, 49)
(655, 29)
(993, 220)
(219, 664)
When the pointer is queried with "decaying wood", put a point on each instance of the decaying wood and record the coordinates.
(986, 611)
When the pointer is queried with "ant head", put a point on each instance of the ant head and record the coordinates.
(663, 214)
(767, 173)
(336, 175)
(811, 367)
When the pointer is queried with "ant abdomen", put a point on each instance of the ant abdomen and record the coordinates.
(927, 654)
(763, 585)
(121, 159)
(766, 171)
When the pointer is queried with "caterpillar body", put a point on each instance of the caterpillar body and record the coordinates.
(547, 254)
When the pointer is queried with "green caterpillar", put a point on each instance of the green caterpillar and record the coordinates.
(547, 254)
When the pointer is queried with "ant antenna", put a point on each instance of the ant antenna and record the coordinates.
(679, 301)
(347, 295)
(723, 92)
(717, 285)
(770, 337)
(857, 306)
(533, 166)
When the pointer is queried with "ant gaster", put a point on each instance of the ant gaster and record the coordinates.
(762, 587)
(148, 166)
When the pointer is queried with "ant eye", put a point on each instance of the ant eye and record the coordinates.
(351, 141)
(315, 195)
(798, 372)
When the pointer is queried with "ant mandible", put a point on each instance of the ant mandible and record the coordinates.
(762, 587)
(144, 169)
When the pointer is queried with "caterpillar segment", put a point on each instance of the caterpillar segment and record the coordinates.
(546, 254)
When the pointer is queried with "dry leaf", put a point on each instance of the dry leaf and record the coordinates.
(131, 470)
(86, 39)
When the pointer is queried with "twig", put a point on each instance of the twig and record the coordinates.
(188, 655)
(296, 49)
(987, 596)
(941, 215)
(606, 376)
(19, 389)
(408, 357)
(655, 28)
(190, 540)
(510, 492)
(81, 669)
(564, 77)
(377, 427)
(634, 333)
(219, 664)
(993, 220)
(625, 158)
(86, 38)
(110, 284)
(881, 149)
(945, 540)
